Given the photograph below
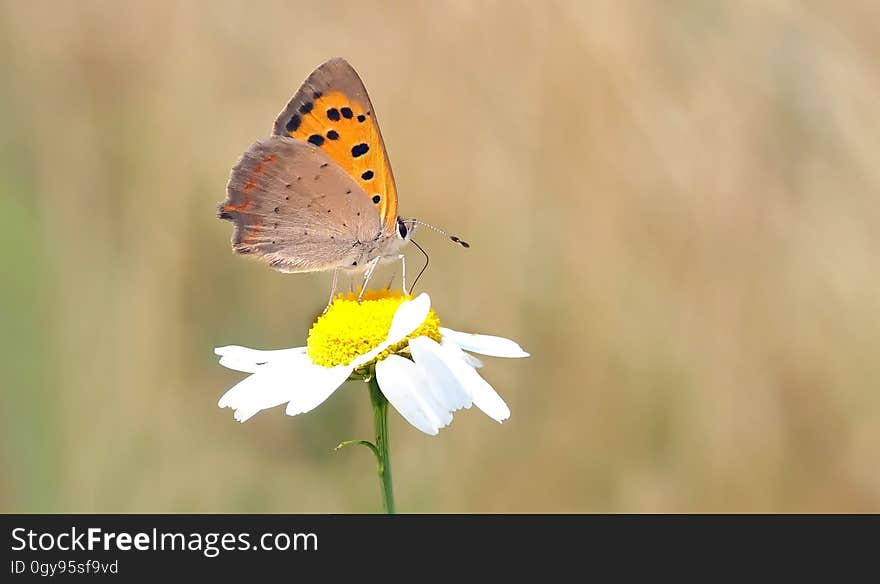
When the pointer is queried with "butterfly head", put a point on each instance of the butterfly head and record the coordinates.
(406, 228)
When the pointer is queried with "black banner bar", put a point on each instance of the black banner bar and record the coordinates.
(124, 547)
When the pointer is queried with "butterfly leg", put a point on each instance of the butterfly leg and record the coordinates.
(367, 275)
(333, 288)
(402, 259)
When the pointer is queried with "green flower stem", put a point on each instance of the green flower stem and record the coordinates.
(382, 449)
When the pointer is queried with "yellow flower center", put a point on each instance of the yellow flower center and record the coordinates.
(350, 328)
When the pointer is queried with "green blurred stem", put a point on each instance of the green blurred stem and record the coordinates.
(383, 454)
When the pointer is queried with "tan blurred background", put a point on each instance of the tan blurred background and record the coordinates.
(673, 205)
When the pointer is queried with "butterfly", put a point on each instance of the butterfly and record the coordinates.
(319, 194)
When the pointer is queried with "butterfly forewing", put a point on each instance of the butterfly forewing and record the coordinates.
(332, 111)
(295, 208)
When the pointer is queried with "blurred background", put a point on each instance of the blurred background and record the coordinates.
(672, 205)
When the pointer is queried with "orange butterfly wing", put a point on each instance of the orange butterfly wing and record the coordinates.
(332, 111)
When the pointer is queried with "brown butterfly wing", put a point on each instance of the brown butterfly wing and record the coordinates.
(333, 111)
(295, 208)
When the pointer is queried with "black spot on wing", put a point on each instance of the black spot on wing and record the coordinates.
(316, 139)
(333, 114)
(359, 150)
(362, 118)
(346, 113)
(333, 135)
(293, 124)
(367, 175)
(376, 199)
(306, 107)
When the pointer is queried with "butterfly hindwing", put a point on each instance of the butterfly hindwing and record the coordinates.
(293, 207)
(332, 111)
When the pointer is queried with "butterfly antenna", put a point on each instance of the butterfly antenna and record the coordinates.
(454, 238)
(425, 267)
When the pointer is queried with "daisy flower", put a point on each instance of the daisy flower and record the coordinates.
(425, 371)
(390, 340)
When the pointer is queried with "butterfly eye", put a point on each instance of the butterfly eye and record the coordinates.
(401, 228)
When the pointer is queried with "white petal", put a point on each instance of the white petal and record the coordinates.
(485, 398)
(409, 316)
(484, 344)
(314, 384)
(250, 360)
(271, 386)
(405, 387)
(444, 385)
(472, 361)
